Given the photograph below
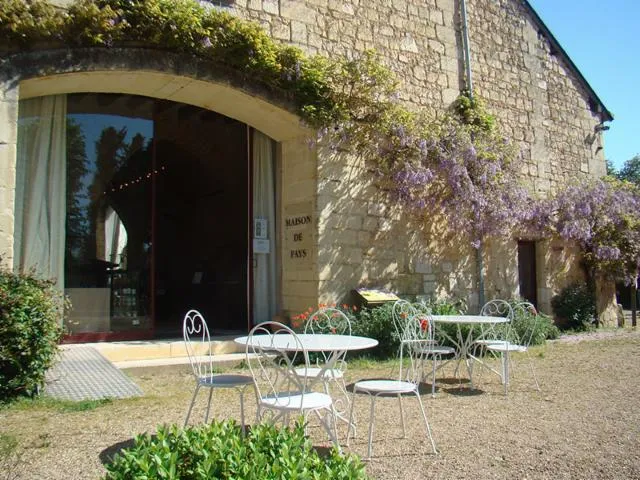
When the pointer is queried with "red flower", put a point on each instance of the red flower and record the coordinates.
(424, 324)
(333, 330)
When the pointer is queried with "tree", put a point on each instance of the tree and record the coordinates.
(630, 171)
(76, 221)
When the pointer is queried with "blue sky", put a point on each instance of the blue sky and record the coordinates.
(601, 37)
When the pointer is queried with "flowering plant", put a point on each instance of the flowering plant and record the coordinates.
(602, 217)
(326, 315)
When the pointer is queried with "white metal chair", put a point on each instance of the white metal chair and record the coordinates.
(273, 350)
(421, 335)
(329, 321)
(398, 388)
(403, 313)
(512, 342)
(198, 344)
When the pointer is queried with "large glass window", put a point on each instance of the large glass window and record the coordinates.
(108, 221)
(139, 208)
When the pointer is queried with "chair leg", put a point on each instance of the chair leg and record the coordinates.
(505, 371)
(326, 423)
(371, 419)
(353, 401)
(404, 432)
(193, 400)
(433, 377)
(426, 422)
(206, 417)
(533, 372)
(242, 411)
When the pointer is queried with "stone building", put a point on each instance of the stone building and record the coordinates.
(172, 167)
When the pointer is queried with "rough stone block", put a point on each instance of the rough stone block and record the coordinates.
(408, 44)
(377, 209)
(9, 122)
(270, 6)
(423, 267)
(429, 287)
(296, 10)
(281, 31)
(370, 224)
(298, 32)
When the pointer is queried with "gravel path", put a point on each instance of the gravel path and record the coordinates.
(584, 424)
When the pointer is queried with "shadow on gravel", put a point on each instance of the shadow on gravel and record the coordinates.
(107, 455)
(460, 391)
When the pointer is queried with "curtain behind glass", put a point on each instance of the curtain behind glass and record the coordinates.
(40, 205)
(264, 274)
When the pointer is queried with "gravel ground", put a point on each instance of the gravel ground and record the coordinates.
(585, 423)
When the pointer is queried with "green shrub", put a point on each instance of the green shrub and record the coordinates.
(524, 321)
(30, 313)
(446, 331)
(575, 307)
(218, 450)
(377, 323)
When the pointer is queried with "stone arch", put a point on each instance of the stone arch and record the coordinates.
(158, 74)
(176, 77)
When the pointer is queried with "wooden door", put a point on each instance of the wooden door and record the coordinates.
(527, 271)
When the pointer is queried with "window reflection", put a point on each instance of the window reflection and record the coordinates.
(108, 212)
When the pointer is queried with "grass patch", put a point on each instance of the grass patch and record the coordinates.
(8, 445)
(62, 406)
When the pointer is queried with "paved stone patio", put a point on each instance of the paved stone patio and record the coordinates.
(82, 373)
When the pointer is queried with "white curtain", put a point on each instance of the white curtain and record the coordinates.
(264, 273)
(40, 206)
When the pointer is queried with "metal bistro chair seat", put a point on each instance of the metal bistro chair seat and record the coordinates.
(198, 344)
(272, 350)
(399, 387)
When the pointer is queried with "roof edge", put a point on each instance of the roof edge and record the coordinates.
(597, 106)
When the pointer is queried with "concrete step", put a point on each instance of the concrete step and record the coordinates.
(224, 360)
(148, 350)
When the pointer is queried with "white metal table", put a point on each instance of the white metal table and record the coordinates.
(462, 343)
(335, 344)
(311, 342)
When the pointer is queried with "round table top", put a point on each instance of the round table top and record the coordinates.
(315, 342)
(468, 319)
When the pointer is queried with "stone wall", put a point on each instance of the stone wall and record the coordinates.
(359, 238)
(538, 101)
(8, 149)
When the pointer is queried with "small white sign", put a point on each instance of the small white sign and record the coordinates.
(261, 246)
(260, 227)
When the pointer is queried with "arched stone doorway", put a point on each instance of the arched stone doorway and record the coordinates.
(184, 86)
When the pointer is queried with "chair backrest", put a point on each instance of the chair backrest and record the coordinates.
(197, 343)
(522, 312)
(418, 340)
(273, 351)
(328, 320)
(497, 308)
(402, 311)
(499, 331)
